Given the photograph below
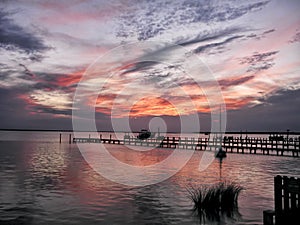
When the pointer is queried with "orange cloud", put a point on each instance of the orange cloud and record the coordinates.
(154, 106)
(72, 78)
(234, 103)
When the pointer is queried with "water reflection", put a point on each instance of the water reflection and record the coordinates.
(220, 167)
(218, 203)
(50, 183)
(47, 166)
(149, 202)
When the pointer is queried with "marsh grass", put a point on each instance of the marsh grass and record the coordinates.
(213, 202)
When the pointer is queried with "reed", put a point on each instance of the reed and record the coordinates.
(213, 202)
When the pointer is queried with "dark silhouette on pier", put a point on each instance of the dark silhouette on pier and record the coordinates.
(144, 134)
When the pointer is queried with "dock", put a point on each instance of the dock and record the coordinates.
(276, 145)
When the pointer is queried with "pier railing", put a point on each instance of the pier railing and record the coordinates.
(266, 146)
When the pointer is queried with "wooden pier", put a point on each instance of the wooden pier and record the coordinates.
(276, 145)
(98, 140)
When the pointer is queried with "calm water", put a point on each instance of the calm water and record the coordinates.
(44, 182)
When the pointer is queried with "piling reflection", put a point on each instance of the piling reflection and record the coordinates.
(220, 167)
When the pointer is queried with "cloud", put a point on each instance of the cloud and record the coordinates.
(15, 38)
(161, 16)
(218, 45)
(42, 92)
(139, 66)
(269, 31)
(47, 81)
(27, 115)
(259, 61)
(290, 97)
(278, 112)
(227, 82)
(27, 71)
(203, 37)
(157, 107)
(296, 38)
(41, 109)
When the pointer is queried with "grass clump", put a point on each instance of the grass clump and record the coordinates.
(213, 202)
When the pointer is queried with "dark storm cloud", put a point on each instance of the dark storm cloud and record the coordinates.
(160, 16)
(52, 82)
(44, 109)
(36, 83)
(231, 34)
(209, 36)
(259, 61)
(27, 115)
(45, 81)
(14, 37)
(276, 113)
(214, 45)
(269, 31)
(140, 66)
(287, 98)
(20, 97)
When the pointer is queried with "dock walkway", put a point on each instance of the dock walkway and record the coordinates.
(262, 146)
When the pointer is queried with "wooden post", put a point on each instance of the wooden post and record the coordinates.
(167, 142)
(60, 138)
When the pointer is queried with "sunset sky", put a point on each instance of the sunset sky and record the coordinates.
(251, 48)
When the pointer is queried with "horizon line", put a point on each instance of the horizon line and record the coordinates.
(200, 132)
